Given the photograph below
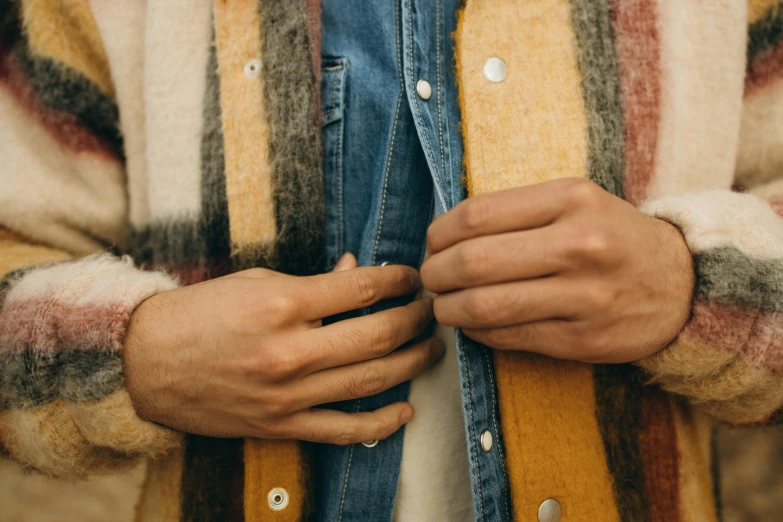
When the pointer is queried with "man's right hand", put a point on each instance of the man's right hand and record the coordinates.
(246, 355)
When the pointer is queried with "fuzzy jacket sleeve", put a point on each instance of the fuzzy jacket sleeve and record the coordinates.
(729, 357)
(63, 198)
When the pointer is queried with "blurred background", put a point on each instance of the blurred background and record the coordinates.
(751, 466)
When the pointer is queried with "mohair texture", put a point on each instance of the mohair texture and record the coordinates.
(129, 128)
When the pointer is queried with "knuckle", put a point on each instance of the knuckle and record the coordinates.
(382, 338)
(347, 435)
(370, 382)
(474, 214)
(280, 365)
(599, 298)
(582, 192)
(479, 308)
(596, 245)
(279, 308)
(366, 287)
(474, 262)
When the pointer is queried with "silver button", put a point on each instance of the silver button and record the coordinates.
(370, 443)
(424, 89)
(486, 440)
(385, 263)
(495, 69)
(549, 511)
(278, 499)
(253, 68)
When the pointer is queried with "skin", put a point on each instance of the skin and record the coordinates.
(246, 355)
(562, 268)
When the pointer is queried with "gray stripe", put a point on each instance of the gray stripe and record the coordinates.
(729, 277)
(290, 99)
(601, 90)
(30, 379)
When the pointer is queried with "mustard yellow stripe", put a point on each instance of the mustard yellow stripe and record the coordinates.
(65, 30)
(249, 187)
(759, 8)
(694, 435)
(532, 126)
(554, 447)
(16, 253)
(268, 465)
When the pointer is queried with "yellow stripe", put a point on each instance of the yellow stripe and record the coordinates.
(15, 253)
(528, 129)
(268, 465)
(531, 127)
(759, 8)
(694, 435)
(245, 131)
(65, 30)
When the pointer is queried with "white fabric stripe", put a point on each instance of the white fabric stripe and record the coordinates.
(720, 218)
(99, 279)
(760, 156)
(177, 48)
(703, 56)
(52, 195)
(121, 26)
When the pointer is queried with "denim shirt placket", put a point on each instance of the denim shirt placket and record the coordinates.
(359, 482)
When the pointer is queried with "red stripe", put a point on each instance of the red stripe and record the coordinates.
(738, 330)
(660, 455)
(64, 128)
(637, 47)
(46, 325)
(764, 69)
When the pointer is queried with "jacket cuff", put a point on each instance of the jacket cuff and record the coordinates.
(63, 407)
(729, 356)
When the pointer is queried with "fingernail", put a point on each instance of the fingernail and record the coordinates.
(406, 415)
(438, 349)
(343, 263)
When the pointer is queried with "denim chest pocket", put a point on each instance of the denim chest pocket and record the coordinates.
(334, 76)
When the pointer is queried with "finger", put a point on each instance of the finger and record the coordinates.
(495, 259)
(367, 378)
(257, 273)
(347, 262)
(336, 427)
(504, 211)
(337, 292)
(555, 338)
(367, 337)
(507, 304)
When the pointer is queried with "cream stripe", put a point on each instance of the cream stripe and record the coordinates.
(160, 495)
(177, 49)
(248, 174)
(703, 46)
(65, 30)
(531, 127)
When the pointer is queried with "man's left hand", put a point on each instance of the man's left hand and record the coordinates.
(562, 268)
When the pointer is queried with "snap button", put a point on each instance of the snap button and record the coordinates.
(370, 443)
(424, 89)
(278, 499)
(486, 440)
(495, 69)
(385, 263)
(253, 68)
(549, 511)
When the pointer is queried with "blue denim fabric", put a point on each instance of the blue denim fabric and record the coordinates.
(391, 160)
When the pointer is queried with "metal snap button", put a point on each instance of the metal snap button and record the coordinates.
(370, 443)
(549, 511)
(424, 89)
(486, 441)
(278, 499)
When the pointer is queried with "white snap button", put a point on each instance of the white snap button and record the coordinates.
(486, 440)
(278, 499)
(370, 443)
(549, 511)
(385, 263)
(424, 89)
(253, 68)
(495, 70)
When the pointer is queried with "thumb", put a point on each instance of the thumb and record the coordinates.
(347, 262)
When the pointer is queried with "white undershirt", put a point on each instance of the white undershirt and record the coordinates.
(435, 477)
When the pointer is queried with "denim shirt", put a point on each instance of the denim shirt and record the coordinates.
(392, 158)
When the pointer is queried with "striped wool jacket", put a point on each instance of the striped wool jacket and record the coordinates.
(146, 145)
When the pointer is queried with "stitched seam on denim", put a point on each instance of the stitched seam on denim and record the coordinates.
(334, 92)
(393, 135)
(347, 472)
(472, 430)
(415, 106)
(495, 425)
(438, 83)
